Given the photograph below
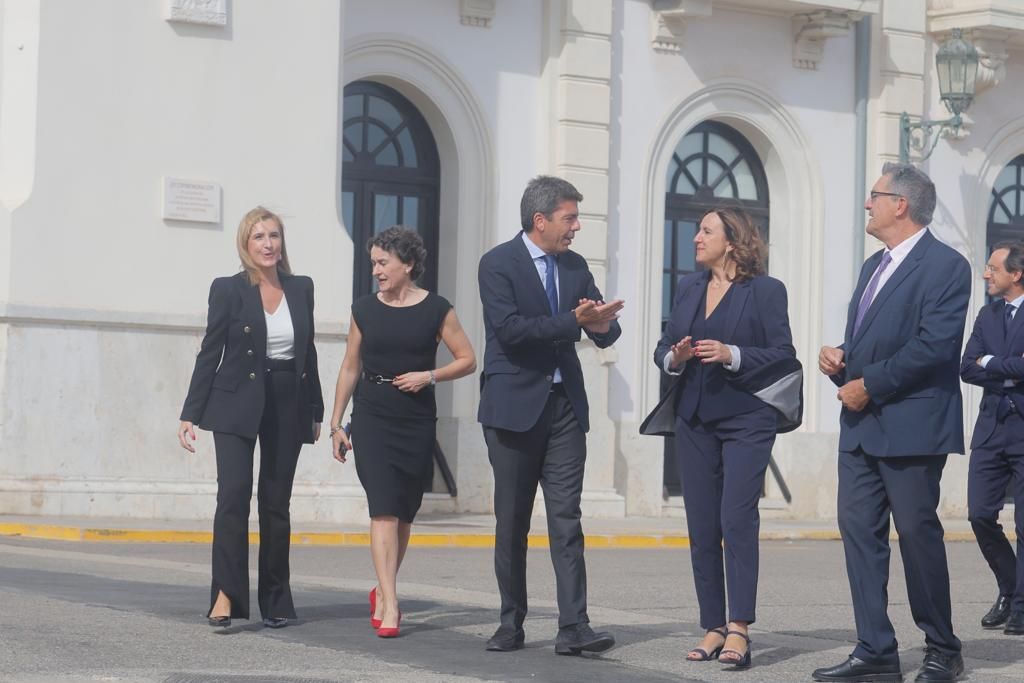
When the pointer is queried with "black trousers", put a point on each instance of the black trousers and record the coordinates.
(552, 453)
(870, 489)
(991, 471)
(280, 443)
(722, 465)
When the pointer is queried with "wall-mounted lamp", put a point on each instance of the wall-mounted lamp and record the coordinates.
(956, 63)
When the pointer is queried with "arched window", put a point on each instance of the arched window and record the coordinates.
(713, 165)
(1006, 213)
(390, 175)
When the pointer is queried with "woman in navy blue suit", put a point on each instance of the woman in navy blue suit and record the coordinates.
(727, 317)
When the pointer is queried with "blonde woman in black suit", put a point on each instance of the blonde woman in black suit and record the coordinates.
(255, 378)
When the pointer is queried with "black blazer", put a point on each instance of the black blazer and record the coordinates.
(908, 352)
(226, 393)
(1007, 363)
(525, 343)
(758, 323)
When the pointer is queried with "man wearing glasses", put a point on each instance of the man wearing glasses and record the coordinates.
(898, 377)
(993, 360)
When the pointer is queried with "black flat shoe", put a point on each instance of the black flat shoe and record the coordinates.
(742, 661)
(506, 639)
(999, 613)
(854, 669)
(275, 622)
(579, 638)
(940, 668)
(219, 622)
(1015, 624)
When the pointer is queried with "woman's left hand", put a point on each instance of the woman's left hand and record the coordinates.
(711, 351)
(412, 381)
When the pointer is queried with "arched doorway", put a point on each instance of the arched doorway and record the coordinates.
(1006, 211)
(713, 165)
(390, 174)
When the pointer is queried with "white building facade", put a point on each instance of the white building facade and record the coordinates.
(135, 134)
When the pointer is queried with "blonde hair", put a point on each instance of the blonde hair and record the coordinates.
(250, 221)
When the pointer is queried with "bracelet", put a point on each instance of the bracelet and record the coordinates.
(335, 430)
(433, 377)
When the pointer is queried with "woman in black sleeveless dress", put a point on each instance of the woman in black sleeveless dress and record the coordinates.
(389, 373)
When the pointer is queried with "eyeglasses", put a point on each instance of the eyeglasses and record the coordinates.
(875, 194)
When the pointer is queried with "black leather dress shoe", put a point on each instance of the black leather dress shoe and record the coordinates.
(940, 668)
(506, 639)
(219, 622)
(1015, 624)
(275, 622)
(580, 638)
(999, 613)
(854, 669)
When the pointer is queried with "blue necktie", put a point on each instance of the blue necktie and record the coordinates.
(1005, 404)
(549, 283)
(1008, 319)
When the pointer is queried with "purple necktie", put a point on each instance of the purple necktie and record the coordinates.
(869, 292)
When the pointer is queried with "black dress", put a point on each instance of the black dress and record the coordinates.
(393, 432)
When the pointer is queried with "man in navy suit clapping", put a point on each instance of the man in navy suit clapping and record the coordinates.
(897, 373)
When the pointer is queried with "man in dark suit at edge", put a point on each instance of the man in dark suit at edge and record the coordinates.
(994, 360)
(898, 373)
(537, 296)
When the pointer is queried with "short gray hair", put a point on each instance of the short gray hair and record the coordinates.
(916, 187)
(543, 194)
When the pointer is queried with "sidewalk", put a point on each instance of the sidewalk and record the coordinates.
(433, 530)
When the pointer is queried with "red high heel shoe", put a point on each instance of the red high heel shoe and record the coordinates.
(388, 632)
(374, 623)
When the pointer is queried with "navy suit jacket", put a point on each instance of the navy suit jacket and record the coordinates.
(908, 352)
(226, 393)
(525, 343)
(1007, 362)
(758, 323)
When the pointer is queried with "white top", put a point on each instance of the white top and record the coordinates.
(898, 254)
(280, 333)
(538, 254)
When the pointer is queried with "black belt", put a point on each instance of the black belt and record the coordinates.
(280, 365)
(377, 379)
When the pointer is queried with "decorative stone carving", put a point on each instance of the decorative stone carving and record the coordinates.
(476, 12)
(810, 31)
(207, 12)
(669, 20)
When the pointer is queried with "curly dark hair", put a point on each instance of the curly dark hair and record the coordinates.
(405, 244)
(749, 251)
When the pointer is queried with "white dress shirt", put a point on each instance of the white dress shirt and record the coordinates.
(898, 254)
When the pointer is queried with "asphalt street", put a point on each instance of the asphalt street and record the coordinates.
(75, 612)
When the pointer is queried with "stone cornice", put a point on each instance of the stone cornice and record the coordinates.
(477, 12)
(978, 15)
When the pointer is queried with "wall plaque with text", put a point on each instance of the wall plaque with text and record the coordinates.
(191, 200)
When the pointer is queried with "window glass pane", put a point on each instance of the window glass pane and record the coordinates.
(345, 154)
(408, 149)
(724, 187)
(746, 187)
(669, 231)
(352, 106)
(385, 112)
(666, 295)
(410, 212)
(374, 136)
(348, 210)
(385, 212)
(696, 169)
(683, 184)
(686, 256)
(1006, 178)
(999, 214)
(387, 156)
(722, 148)
(354, 135)
(692, 143)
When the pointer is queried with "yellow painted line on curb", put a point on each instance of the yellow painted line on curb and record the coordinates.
(53, 532)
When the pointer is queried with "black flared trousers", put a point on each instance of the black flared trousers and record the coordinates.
(280, 443)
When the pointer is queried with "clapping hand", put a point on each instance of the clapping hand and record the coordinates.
(597, 316)
(711, 351)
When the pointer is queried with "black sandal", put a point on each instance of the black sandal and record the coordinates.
(743, 662)
(702, 654)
